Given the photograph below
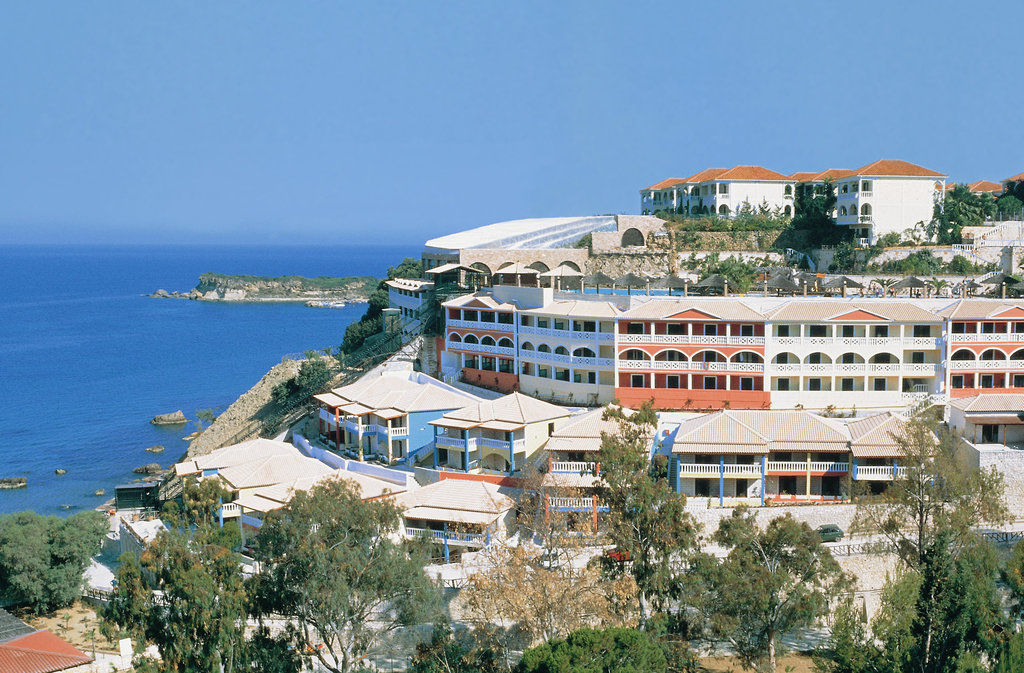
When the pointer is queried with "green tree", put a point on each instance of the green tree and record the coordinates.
(408, 268)
(773, 581)
(615, 650)
(42, 558)
(129, 604)
(329, 563)
(647, 520)
(447, 652)
(814, 208)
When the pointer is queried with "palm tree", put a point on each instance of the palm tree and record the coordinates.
(938, 284)
(883, 283)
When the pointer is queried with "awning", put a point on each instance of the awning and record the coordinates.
(591, 444)
(355, 409)
(996, 419)
(876, 451)
(813, 447)
(187, 467)
(451, 515)
(330, 399)
(454, 423)
(257, 503)
(728, 449)
(501, 426)
(388, 413)
(451, 266)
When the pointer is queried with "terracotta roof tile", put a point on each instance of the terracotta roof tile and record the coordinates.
(1007, 402)
(805, 176)
(726, 308)
(1016, 178)
(39, 652)
(896, 168)
(706, 174)
(665, 184)
(751, 173)
(985, 186)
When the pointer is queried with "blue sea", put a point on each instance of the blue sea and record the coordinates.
(86, 361)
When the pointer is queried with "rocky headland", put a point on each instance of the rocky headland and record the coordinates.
(222, 287)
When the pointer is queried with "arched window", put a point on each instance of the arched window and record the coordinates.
(527, 346)
(455, 337)
(635, 354)
(632, 237)
(818, 359)
(850, 359)
(470, 339)
(723, 209)
(487, 341)
(785, 359)
(543, 348)
(709, 356)
(746, 356)
(993, 354)
(561, 350)
(853, 209)
(505, 342)
(670, 356)
(842, 210)
(884, 359)
(789, 190)
(787, 211)
(865, 209)
(583, 353)
(1018, 355)
(962, 355)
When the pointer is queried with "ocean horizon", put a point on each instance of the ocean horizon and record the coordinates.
(86, 361)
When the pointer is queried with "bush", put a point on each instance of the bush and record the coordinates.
(615, 650)
(42, 558)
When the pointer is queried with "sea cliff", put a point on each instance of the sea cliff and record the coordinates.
(223, 287)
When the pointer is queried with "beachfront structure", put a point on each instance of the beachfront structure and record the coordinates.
(740, 353)
(212, 463)
(781, 456)
(721, 191)
(386, 415)
(457, 514)
(989, 422)
(412, 298)
(889, 195)
(26, 649)
(495, 435)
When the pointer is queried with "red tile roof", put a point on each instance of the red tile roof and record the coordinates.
(805, 176)
(39, 652)
(665, 184)
(751, 173)
(896, 168)
(833, 174)
(706, 174)
(985, 186)
(1016, 178)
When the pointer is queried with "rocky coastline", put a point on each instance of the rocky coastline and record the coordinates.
(323, 290)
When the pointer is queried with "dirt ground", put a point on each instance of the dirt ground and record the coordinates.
(790, 663)
(74, 625)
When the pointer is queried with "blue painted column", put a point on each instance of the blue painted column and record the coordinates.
(446, 542)
(220, 511)
(465, 451)
(511, 452)
(435, 446)
(894, 468)
(721, 479)
(679, 482)
(853, 471)
(763, 478)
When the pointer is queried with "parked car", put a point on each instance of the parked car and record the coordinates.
(830, 533)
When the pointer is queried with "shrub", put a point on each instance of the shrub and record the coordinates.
(615, 650)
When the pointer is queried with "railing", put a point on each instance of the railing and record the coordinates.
(1009, 337)
(804, 466)
(469, 539)
(571, 360)
(456, 442)
(577, 467)
(565, 334)
(477, 324)
(575, 504)
(861, 368)
(986, 364)
(481, 348)
(698, 339)
(519, 444)
(709, 469)
(879, 472)
(685, 365)
(895, 342)
(402, 431)
(742, 470)
(230, 510)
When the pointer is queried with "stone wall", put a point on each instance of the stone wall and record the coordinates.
(644, 261)
(551, 258)
(610, 241)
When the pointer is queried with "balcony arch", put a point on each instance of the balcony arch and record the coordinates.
(561, 350)
(583, 352)
(571, 265)
(470, 339)
(884, 359)
(505, 342)
(749, 357)
(788, 191)
(543, 348)
(487, 340)
(993, 354)
(787, 211)
(670, 355)
(707, 356)
(853, 209)
(633, 238)
(865, 209)
(851, 359)
(963, 354)
(482, 267)
(1018, 354)
(786, 359)
(635, 354)
(527, 346)
(455, 337)
(842, 210)
(539, 266)
(723, 209)
(818, 358)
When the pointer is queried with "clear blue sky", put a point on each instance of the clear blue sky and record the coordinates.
(338, 122)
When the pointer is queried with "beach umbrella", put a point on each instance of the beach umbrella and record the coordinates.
(561, 272)
(597, 280)
(630, 280)
(780, 283)
(671, 282)
(517, 269)
(910, 283)
(999, 278)
(714, 282)
(842, 283)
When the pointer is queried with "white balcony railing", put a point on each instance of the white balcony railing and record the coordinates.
(575, 504)
(987, 337)
(575, 335)
(742, 470)
(696, 339)
(804, 466)
(454, 442)
(684, 365)
(574, 467)
(570, 360)
(986, 364)
(476, 324)
(879, 472)
(855, 368)
(452, 537)
(230, 510)
(884, 342)
(701, 469)
(481, 348)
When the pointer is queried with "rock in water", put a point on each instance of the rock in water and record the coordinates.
(162, 293)
(158, 448)
(13, 482)
(60, 471)
(177, 418)
(99, 491)
(189, 438)
(151, 468)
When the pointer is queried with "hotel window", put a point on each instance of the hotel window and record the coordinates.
(592, 377)
(505, 318)
(543, 372)
(487, 363)
(959, 328)
(505, 366)
(559, 324)
(676, 328)
(672, 381)
(848, 331)
(710, 329)
(469, 315)
(486, 316)
(846, 384)
(527, 369)
(586, 326)
(636, 381)
(1018, 380)
(635, 328)
(710, 382)
(747, 330)
(542, 322)
(845, 188)
(878, 384)
(880, 331)
(922, 331)
(814, 358)
(917, 357)
(817, 330)
(561, 374)
(865, 186)
(524, 320)
(471, 362)
(1018, 328)
(746, 383)
(782, 384)
(990, 433)
(723, 188)
(957, 381)
(782, 331)
(814, 384)
(987, 381)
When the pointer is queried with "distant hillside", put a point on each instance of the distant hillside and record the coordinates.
(223, 287)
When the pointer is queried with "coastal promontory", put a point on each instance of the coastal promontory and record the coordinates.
(225, 287)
